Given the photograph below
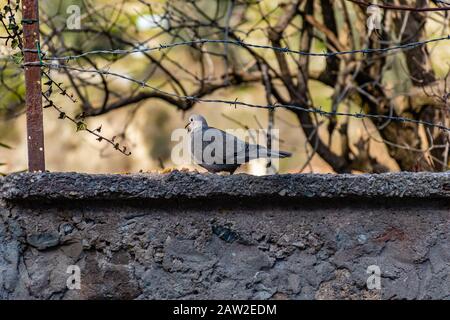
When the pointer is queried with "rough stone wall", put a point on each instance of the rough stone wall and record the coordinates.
(285, 237)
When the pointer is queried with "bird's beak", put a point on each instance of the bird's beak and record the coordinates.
(187, 125)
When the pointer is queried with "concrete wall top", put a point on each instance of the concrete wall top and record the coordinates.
(196, 186)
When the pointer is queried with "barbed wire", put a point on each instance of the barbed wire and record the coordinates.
(241, 43)
(140, 48)
(236, 102)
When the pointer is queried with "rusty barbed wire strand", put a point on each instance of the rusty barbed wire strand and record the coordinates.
(236, 102)
(241, 43)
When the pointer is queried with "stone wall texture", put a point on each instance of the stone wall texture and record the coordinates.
(187, 235)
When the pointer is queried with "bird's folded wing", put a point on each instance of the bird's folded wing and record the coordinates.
(235, 149)
(229, 148)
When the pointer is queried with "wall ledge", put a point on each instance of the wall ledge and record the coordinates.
(185, 235)
(192, 185)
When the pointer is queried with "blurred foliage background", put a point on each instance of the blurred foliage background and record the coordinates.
(143, 121)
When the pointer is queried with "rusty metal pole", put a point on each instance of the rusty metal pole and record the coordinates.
(33, 86)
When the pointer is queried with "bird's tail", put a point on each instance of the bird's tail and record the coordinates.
(279, 154)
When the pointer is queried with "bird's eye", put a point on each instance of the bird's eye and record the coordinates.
(191, 119)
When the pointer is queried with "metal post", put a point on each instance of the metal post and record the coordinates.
(33, 87)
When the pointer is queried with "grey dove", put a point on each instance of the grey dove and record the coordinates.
(217, 151)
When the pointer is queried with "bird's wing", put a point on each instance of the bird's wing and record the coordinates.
(221, 147)
(233, 150)
(241, 151)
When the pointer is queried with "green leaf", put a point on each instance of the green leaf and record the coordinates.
(17, 58)
(81, 126)
(14, 43)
